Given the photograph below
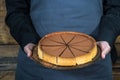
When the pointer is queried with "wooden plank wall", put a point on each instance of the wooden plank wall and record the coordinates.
(5, 37)
(9, 50)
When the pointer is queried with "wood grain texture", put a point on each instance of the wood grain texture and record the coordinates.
(5, 37)
(8, 61)
(9, 50)
(7, 75)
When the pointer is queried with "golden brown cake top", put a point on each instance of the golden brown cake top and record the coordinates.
(66, 44)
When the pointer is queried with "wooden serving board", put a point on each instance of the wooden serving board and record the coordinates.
(49, 65)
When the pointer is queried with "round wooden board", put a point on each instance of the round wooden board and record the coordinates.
(52, 66)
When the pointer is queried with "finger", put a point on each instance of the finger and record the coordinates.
(28, 51)
(105, 48)
(105, 52)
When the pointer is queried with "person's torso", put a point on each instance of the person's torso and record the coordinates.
(65, 15)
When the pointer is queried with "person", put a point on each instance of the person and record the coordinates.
(30, 20)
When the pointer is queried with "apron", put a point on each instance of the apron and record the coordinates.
(64, 15)
(27, 69)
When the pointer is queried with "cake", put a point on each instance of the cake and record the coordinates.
(67, 48)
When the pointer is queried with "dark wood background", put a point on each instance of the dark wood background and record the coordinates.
(9, 49)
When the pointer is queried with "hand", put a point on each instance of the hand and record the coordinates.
(105, 47)
(28, 49)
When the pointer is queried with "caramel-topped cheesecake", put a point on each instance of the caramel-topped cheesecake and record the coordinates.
(67, 48)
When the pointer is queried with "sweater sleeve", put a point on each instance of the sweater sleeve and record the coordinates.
(109, 27)
(19, 21)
